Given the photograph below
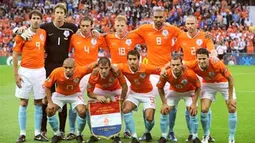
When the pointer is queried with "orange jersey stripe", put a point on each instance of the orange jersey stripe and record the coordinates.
(64, 85)
(190, 45)
(216, 72)
(32, 50)
(140, 81)
(120, 47)
(186, 82)
(158, 42)
(112, 82)
(86, 49)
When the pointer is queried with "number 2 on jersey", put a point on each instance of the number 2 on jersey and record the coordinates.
(158, 41)
(193, 50)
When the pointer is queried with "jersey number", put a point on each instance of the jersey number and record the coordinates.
(58, 40)
(37, 45)
(69, 87)
(122, 51)
(158, 41)
(86, 49)
(193, 50)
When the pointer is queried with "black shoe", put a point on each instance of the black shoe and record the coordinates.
(21, 139)
(134, 140)
(56, 139)
(41, 138)
(71, 136)
(93, 139)
(127, 135)
(189, 139)
(211, 139)
(162, 140)
(79, 139)
(62, 135)
(146, 137)
(117, 139)
(196, 140)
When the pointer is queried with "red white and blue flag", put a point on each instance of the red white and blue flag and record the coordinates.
(105, 118)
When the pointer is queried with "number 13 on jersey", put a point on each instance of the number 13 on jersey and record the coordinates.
(122, 51)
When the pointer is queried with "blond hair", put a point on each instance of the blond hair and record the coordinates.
(60, 5)
(121, 18)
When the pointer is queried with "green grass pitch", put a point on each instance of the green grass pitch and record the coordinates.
(245, 88)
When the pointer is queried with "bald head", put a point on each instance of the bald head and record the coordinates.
(192, 17)
(69, 62)
(69, 65)
(191, 24)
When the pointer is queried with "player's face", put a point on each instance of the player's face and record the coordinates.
(203, 61)
(133, 62)
(158, 18)
(191, 24)
(104, 70)
(120, 27)
(176, 66)
(35, 21)
(69, 69)
(59, 15)
(85, 27)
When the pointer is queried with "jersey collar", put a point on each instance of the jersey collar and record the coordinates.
(198, 32)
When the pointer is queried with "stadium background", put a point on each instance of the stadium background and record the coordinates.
(230, 23)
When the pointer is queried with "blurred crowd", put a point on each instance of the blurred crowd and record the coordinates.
(227, 20)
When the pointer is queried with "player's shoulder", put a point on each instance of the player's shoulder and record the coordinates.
(47, 26)
(58, 70)
(145, 26)
(110, 36)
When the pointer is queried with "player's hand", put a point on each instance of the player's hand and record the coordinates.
(51, 107)
(193, 109)
(164, 109)
(45, 55)
(101, 99)
(20, 30)
(26, 35)
(18, 80)
(231, 104)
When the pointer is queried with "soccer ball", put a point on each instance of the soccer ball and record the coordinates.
(231, 63)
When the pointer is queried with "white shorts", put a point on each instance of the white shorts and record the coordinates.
(174, 97)
(84, 83)
(74, 99)
(209, 90)
(154, 80)
(113, 95)
(32, 80)
(148, 99)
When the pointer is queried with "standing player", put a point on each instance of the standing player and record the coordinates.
(158, 38)
(106, 83)
(67, 79)
(122, 41)
(58, 37)
(85, 49)
(189, 42)
(216, 78)
(141, 92)
(31, 74)
(184, 85)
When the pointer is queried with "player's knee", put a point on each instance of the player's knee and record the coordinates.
(38, 102)
(204, 109)
(126, 110)
(50, 112)
(82, 113)
(231, 109)
(23, 102)
(149, 118)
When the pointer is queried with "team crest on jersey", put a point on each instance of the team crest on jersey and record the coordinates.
(76, 80)
(128, 42)
(211, 74)
(165, 33)
(142, 75)
(199, 42)
(66, 33)
(184, 81)
(41, 37)
(93, 42)
(111, 79)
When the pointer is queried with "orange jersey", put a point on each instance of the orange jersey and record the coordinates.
(86, 49)
(119, 47)
(32, 51)
(140, 80)
(64, 85)
(190, 45)
(186, 82)
(216, 72)
(158, 42)
(111, 82)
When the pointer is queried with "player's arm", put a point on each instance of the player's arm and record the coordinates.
(18, 79)
(164, 107)
(195, 81)
(151, 69)
(163, 72)
(123, 84)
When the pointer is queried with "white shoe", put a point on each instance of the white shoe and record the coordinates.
(205, 139)
(231, 141)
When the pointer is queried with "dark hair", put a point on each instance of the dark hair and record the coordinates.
(87, 18)
(134, 53)
(202, 51)
(35, 12)
(177, 57)
(104, 61)
(60, 5)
